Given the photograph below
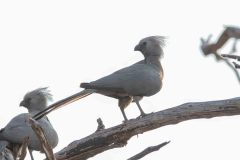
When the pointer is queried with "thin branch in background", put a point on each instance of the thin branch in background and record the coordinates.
(148, 151)
(212, 48)
(47, 149)
(237, 66)
(231, 56)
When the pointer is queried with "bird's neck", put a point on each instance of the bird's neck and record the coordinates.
(34, 111)
(154, 61)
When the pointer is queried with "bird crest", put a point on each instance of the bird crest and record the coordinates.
(159, 39)
(43, 92)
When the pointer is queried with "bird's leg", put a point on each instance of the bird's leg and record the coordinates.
(123, 103)
(140, 108)
(30, 152)
(123, 113)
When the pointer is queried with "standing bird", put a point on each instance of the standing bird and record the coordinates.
(19, 127)
(129, 84)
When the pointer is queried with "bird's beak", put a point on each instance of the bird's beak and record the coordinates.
(137, 48)
(22, 104)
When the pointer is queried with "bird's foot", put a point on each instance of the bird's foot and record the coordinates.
(124, 121)
(142, 115)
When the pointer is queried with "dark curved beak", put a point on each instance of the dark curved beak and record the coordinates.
(137, 48)
(22, 104)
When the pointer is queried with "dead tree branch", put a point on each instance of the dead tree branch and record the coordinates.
(22, 151)
(212, 48)
(148, 151)
(118, 136)
(47, 149)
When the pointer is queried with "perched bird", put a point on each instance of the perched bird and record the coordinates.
(19, 127)
(129, 84)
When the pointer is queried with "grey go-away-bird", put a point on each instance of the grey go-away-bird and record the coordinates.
(19, 127)
(129, 84)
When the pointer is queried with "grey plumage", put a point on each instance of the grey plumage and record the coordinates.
(19, 128)
(129, 84)
(5, 153)
(140, 79)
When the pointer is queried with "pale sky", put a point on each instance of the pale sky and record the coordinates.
(63, 43)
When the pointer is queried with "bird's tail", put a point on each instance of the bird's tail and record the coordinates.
(63, 102)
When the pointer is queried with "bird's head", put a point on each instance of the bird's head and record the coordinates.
(37, 99)
(151, 46)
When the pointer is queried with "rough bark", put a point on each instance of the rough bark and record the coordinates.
(118, 136)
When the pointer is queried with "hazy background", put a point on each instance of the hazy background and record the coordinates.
(62, 43)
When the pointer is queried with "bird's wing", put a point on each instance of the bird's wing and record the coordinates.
(17, 129)
(138, 79)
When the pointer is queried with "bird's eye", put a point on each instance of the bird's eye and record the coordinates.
(28, 100)
(144, 43)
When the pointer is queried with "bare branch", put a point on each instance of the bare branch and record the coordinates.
(118, 136)
(42, 138)
(212, 48)
(148, 151)
(22, 151)
(12, 151)
(237, 66)
(231, 56)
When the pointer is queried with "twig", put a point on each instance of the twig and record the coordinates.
(22, 151)
(42, 138)
(118, 136)
(13, 151)
(231, 56)
(148, 151)
(237, 66)
(100, 125)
